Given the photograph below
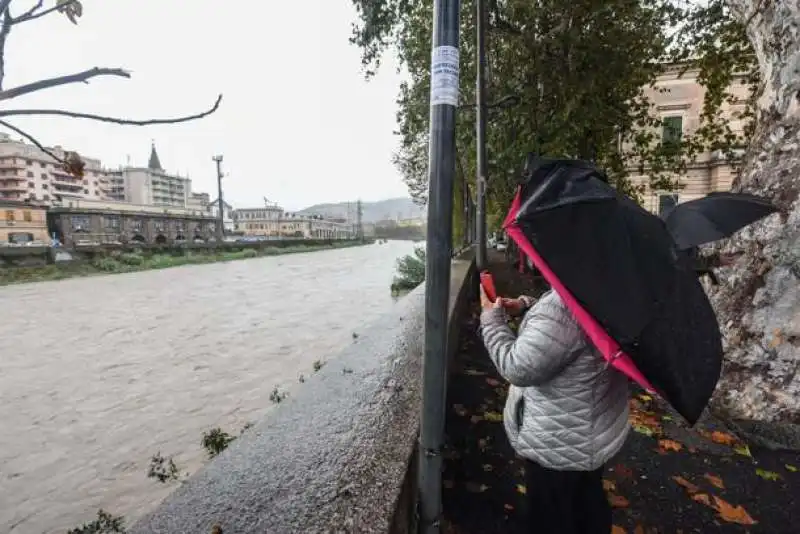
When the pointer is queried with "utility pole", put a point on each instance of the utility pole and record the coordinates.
(359, 223)
(221, 215)
(439, 245)
(480, 127)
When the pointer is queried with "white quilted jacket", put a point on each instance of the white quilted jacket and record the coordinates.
(565, 410)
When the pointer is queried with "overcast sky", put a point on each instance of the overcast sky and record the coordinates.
(298, 123)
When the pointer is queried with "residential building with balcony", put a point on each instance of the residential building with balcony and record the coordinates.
(677, 99)
(151, 185)
(22, 222)
(29, 174)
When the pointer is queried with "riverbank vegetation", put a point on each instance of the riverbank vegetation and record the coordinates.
(127, 262)
(410, 271)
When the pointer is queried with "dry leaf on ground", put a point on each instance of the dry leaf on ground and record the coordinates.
(460, 410)
(609, 485)
(473, 372)
(691, 488)
(617, 530)
(790, 468)
(508, 508)
(494, 417)
(618, 501)
(475, 419)
(622, 471)
(768, 475)
(715, 481)
(670, 445)
(722, 438)
(492, 382)
(732, 514)
(522, 489)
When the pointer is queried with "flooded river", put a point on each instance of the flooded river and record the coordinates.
(98, 374)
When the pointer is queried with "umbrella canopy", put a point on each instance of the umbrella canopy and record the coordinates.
(616, 267)
(714, 217)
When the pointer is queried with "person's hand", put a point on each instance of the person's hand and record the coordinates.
(514, 307)
(487, 304)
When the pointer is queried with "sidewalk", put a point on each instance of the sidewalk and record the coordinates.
(668, 479)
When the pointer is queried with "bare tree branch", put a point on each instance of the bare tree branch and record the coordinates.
(32, 139)
(4, 31)
(33, 13)
(113, 120)
(61, 80)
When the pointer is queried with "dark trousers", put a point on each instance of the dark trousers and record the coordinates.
(566, 502)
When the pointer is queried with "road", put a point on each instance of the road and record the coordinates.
(98, 374)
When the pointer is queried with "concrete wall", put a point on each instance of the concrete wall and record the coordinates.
(337, 456)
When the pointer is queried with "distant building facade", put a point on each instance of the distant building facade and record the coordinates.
(151, 185)
(273, 221)
(678, 100)
(82, 222)
(29, 174)
(228, 222)
(21, 222)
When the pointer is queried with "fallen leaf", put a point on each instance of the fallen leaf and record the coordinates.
(449, 484)
(609, 485)
(617, 530)
(492, 382)
(722, 438)
(666, 418)
(744, 450)
(641, 429)
(703, 498)
(522, 489)
(494, 417)
(618, 501)
(475, 419)
(508, 507)
(460, 410)
(768, 475)
(638, 530)
(473, 372)
(715, 481)
(790, 468)
(483, 444)
(474, 487)
(732, 514)
(691, 488)
(645, 398)
(488, 467)
(670, 445)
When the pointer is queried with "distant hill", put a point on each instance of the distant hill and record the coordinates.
(391, 208)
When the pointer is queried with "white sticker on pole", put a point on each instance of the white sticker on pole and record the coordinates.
(444, 76)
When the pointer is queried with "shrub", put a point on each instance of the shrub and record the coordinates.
(162, 469)
(108, 265)
(410, 271)
(131, 258)
(216, 440)
(104, 524)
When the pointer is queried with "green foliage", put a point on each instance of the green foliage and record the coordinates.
(277, 396)
(162, 469)
(106, 264)
(130, 258)
(104, 524)
(581, 70)
(215, 441)
(410, 270)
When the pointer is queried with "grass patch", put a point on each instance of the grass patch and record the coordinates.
(132, 261)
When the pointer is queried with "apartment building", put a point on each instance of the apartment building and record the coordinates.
(29, 174)
(678, 100)
(151, 185)
(22, 222)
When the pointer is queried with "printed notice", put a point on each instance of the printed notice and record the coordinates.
(444, 76)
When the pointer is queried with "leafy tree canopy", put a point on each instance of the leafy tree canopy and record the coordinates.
(580, 70)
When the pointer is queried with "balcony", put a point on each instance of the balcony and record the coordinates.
(13, 185)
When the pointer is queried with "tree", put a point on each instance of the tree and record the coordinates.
(758, 303)
(72, 10)
(547, 53)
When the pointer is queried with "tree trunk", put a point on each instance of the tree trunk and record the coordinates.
(758, 301)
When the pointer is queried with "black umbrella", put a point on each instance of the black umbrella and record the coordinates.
(622, 267)
(714, 217)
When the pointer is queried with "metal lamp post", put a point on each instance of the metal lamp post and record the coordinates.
(480, 127)
(220, 216)
(442, 170)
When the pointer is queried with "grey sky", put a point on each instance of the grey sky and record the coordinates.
(298, 123)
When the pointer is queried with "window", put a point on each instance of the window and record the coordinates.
(85, 191)
(45, 197)
(45, 186)
(28, 162)
(80, 222)
(43, 164)
(666, 202)
(137, 226)
(44, 175)
(112, 222)
(29, 174)
(9, 215)
(671, 130)
(31, 185)
(26, 215)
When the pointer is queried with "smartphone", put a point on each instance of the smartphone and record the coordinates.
(487, 282)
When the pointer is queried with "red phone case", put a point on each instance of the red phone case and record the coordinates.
(488, 285)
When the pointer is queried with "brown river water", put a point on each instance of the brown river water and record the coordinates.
(99, 374)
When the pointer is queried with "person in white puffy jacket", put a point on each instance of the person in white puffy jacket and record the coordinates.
(566, 412)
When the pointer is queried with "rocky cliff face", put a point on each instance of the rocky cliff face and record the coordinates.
(758, 301)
